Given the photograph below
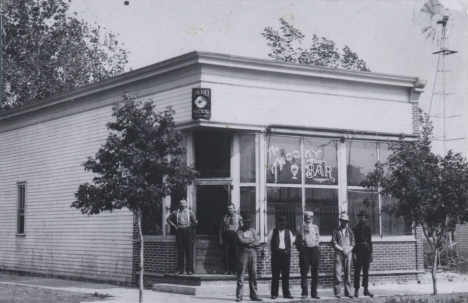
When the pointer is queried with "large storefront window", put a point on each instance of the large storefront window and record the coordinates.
(320, 161)
(248, 204)
(302, 165)
(213, 154)
(247, 158)
(361, 158)
(287, 202)
(362, 200)
(392, 225)
(324, 204)
(284, 160)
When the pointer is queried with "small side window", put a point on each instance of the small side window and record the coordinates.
(21, 207)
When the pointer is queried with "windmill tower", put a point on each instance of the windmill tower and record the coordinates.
(436, 24)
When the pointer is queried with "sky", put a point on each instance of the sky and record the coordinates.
(387, 35)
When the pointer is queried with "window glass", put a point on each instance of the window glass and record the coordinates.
(213, 154)
(283, 201)
(248, 204)
(284, 160)
(320, 161)
(21, 208)
(384, 153)
(367, 201)
(247, 158)
(361, 157)
(392, 225)
(152, 223)
(175, 200)
(324, 204)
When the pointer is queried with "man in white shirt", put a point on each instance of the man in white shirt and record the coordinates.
(279, 242)
(307, 243)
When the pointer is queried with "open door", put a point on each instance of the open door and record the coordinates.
(212, 201)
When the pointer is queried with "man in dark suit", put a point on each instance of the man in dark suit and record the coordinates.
(362, 254)
(279, 241)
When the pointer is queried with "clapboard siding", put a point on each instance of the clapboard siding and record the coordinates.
(48, 156)
(58, 239)
(265, 106)
(462, 240)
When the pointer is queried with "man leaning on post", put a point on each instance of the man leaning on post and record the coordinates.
(182, 220)
(343, 243)
(307, 243)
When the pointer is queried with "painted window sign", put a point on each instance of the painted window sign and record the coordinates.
(320, 157)
(285, 160)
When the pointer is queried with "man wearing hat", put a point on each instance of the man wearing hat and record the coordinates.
(182, 220)
(343, 243)
(307, 243)
(362, 254)
(228, 238)
(247, 242)
(279, 242)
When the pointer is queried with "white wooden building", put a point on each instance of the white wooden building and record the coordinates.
(281, 138)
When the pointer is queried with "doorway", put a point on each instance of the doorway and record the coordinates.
(213, 198)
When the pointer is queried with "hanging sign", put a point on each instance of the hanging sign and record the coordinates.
(201, 103)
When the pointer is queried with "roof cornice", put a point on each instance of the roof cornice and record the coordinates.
(222, 61)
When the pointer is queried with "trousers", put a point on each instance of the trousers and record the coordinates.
(247, 262)
(184, 239)
(280, 264)
(230, 250)
(342, 262)
(309, 259)
(362, 251)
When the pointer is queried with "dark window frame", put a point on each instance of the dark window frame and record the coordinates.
(21, 208)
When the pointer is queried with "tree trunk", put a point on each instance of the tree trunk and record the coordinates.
(434, 271)
(141, 254)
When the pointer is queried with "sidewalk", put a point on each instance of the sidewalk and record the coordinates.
(448, 283)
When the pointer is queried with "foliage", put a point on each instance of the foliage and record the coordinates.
(432, 190)
(133, 167)
(46, 52)
(137, 166)
(287, 46)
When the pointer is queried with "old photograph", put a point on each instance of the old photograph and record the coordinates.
(221, 150)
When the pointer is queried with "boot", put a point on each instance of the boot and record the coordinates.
(367, 292)
(356, 292)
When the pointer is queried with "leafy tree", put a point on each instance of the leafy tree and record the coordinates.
(431, 190)
(137, 166)
(46, 52)
(287, 46)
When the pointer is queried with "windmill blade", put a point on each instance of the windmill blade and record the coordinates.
(431, 34)
(425, 29)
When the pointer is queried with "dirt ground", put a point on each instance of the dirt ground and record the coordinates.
(30, 294)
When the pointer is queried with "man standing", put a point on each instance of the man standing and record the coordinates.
(343, 243)
(228, 238)
(362, 254)
(279, 242)
(247, 242)
(182, 220)
(307, 243)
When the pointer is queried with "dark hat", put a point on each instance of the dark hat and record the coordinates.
(363, 213)
(282, 219)
(248, 218)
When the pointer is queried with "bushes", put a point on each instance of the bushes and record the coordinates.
(452, 261)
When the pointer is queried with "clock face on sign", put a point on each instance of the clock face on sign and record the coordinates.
(200, 102)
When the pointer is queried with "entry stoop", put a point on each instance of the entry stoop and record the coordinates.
(200, 285)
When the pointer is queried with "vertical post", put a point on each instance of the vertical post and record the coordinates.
(262, 184)
(142, 246)
(342, 177)
(235, 171)
(191, 161)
